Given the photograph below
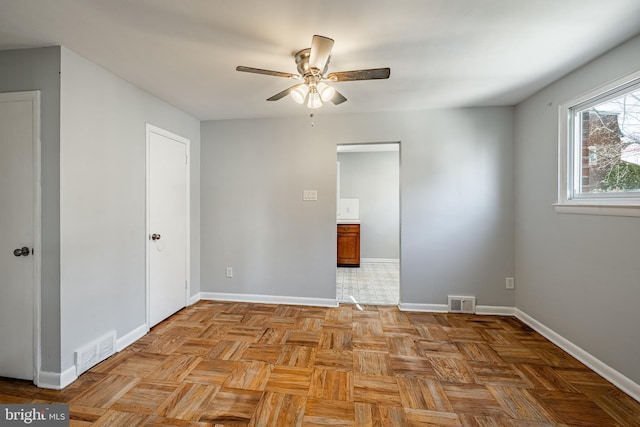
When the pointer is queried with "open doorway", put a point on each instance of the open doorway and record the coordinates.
(368, 223)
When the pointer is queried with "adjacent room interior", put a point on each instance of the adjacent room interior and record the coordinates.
(174, 203)
(368, 224)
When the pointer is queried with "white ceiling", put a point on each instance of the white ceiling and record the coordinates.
(442, 53)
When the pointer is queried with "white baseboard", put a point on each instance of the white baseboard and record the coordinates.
(427, 308)
(443, 308)
(379, 260)
(268, 299)
(133, 336)
(194, 298)
(58, 381)
(55, 380)
(606, 371)
(67, 377)
(495, 310)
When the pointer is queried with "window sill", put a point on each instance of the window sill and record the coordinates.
(592, 209)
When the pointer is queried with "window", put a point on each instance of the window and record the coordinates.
(599, 168)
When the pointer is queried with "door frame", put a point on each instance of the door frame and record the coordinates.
(149, 130)
(34, 97)
(399, 143)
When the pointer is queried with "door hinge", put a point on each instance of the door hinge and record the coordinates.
(186, 284)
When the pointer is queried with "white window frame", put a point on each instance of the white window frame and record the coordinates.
(627, 204)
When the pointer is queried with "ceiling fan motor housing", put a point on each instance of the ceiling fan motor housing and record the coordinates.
(302, 61)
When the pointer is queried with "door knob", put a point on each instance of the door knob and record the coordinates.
(155, 236)
(23, 251)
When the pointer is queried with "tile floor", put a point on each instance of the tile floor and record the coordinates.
(373, 283)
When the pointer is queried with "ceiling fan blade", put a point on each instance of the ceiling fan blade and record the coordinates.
(320, 51)
(338, 98)
(267, 72)
(348, 76)
(284, 93)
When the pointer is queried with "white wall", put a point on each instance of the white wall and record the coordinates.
(578, 275)
(102, 200)
(374, 179)
(456, 214)
(38, 69)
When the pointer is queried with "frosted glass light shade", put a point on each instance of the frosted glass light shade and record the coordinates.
(326, 92)
(314, 100)
(300, 93)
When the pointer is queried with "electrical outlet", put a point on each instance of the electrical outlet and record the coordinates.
(310, 195)
(229, 272)
(510, 283)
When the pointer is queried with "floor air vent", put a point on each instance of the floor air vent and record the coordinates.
(462, 304)
(95, 352)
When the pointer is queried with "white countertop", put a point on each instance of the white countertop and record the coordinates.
(348, 221)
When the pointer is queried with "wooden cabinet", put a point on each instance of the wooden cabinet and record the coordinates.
(349, 245)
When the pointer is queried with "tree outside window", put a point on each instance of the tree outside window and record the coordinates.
(608, 142)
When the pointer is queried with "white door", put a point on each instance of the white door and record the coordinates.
(19, 219)
(167, 223)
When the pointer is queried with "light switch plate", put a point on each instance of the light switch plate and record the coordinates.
(310, 195)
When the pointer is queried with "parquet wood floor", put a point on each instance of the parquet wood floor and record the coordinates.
(239, 364)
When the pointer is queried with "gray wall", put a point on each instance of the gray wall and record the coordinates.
(253, 215)
(577, 274)
(457, 211)
(39, 69)
(102, 201)
(374, 178)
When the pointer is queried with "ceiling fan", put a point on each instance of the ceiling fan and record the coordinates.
(312, 71)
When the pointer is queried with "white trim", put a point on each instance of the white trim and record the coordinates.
(375, 260)
(147, 284)
(55, 380)
(587, 209)
(37, 235)
(67, 377)
(600, 90)
(194, 299)
(58, 381)
(605, 204)
(615, 377)
(427, 308)
(369, 147)
(127, 339)
(268, 299)
(154, 129)
(495, 310)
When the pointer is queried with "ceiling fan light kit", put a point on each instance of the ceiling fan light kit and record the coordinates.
(299, 94)
(312, 64)
(314, 98)
(326, 92)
